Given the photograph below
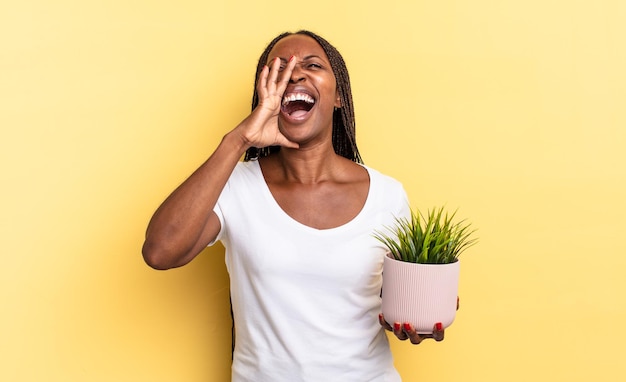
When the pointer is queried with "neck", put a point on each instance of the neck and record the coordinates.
(309, 166)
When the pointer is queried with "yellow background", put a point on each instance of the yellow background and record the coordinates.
(513, 111)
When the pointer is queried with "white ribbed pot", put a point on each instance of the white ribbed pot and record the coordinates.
(421, 294)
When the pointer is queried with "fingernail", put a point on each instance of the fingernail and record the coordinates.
(407, 326)
(291, 58)
(438, 326)
(396, 326)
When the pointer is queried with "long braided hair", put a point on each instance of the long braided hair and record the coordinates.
(344, 127)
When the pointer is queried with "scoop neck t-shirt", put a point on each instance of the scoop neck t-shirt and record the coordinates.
(305, 300)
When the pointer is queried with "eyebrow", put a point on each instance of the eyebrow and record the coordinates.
(309, 57)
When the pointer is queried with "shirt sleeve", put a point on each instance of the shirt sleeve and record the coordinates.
(219, 210)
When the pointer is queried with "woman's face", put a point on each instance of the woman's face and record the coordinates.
(311, 95)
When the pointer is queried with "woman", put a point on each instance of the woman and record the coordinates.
(296, 218)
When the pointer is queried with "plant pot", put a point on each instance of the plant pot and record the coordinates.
(421, 294)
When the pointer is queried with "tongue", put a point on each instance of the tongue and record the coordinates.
(298, 113)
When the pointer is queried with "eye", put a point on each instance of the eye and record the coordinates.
(314, 65)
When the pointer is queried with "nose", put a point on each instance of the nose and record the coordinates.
(297, 75)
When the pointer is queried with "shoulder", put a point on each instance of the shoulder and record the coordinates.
(379, 179)
(245, 169)
(246, 166)
(388, 193)
(244, 175)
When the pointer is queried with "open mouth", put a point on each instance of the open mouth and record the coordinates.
(297, 105)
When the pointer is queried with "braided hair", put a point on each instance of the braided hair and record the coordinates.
(344, 127)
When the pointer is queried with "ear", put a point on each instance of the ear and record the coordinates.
(337, 100)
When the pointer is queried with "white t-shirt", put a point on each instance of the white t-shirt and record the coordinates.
(306, 301)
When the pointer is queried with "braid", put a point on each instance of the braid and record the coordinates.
(344, 126)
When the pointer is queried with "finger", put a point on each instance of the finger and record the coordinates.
(383, 323)
(286, 75)
(438, 332)
(262, 82)
(410, 331)
(397, 330)
(273, 76)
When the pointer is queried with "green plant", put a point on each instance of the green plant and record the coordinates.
(431, 239)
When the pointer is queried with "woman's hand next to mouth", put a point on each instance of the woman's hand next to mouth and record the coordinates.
(260, 128)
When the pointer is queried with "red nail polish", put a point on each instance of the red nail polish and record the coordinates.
(407, 326)
(396, 327)
(291, 58)
(439, 326)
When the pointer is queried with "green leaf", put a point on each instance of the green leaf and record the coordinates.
(429, 239)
